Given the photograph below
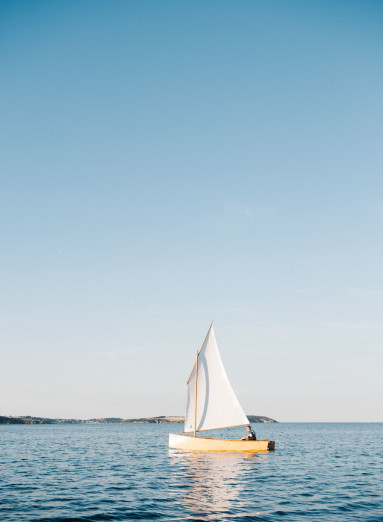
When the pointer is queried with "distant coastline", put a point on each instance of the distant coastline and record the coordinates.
(111, 420)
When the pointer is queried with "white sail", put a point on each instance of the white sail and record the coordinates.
(217, 405)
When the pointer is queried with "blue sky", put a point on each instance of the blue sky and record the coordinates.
(164, 163)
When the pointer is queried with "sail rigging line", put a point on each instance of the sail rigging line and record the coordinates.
(207, 333)
(195, 400)
(204, 367)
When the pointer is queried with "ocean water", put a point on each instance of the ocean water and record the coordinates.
(324, 472)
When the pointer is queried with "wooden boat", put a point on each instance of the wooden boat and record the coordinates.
(211, 405)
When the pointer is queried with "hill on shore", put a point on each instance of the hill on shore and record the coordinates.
(110, 420)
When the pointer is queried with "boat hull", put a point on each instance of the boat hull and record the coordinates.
(189, 443)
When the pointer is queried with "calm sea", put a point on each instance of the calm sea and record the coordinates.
(326, 472)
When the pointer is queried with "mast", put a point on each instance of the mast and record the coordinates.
(196, 379)
(195, 399)
(207, 333)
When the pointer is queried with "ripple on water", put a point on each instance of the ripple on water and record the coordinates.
(124, 472)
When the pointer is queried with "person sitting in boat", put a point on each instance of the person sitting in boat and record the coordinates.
(250, 435)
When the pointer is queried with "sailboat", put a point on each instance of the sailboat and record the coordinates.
(212, 405)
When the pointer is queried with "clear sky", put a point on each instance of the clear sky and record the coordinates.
(164, 163)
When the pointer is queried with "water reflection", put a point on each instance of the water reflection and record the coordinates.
(214, 483)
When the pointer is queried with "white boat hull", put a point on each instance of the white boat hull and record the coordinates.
(190, 443)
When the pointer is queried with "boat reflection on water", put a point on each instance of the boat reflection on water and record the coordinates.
(214, 483)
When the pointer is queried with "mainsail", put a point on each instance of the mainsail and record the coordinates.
(217, 405)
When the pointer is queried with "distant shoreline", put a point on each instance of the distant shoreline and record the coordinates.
(112, 420)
